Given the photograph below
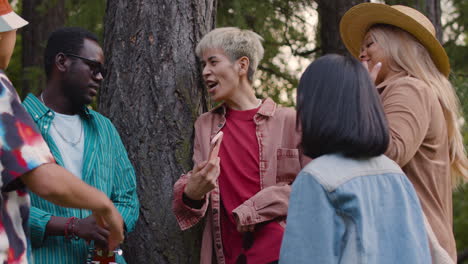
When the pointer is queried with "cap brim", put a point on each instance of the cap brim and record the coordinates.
(11, 21)
(357, 21)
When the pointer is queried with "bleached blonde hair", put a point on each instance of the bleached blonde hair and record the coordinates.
(407, 54)
(236, 43)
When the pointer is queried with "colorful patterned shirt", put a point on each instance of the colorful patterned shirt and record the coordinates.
(105, 166)
(22, 150)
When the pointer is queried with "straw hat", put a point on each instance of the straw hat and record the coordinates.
(357, 21)
(9, 20)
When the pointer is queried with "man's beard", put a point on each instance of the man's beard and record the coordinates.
(75, 94)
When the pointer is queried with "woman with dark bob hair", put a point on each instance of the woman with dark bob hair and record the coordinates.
(351, 204)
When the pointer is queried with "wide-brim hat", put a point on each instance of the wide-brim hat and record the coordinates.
(357, 21)
(9, 20)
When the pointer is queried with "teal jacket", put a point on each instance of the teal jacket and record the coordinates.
(105, 166)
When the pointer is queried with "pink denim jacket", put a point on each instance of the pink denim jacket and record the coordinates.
(280, 161)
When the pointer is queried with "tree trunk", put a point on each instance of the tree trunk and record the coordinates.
(330, 13)
(462, 256)
(43, 17)
(433, 12)
(431, 8)
(153, 94)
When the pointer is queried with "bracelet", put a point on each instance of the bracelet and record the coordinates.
(74, 223)
(67, 226)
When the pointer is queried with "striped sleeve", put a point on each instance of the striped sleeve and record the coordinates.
(38, 220)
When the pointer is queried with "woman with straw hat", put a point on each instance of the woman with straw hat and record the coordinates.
(410, 68)
(26, 161)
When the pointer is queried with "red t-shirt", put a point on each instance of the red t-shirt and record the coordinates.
(238, 181)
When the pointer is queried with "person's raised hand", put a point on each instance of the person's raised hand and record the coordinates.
(203, 179)
(374, 72)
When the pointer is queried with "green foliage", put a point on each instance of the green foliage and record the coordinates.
(44, 6)
(14, 70)
(456, 29)
(460, 217)
(34, 75)
(82, 13)
(460, 81)
(460, 196)
(87, 14)
(285, 26)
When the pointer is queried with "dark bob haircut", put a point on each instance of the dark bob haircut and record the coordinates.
(65, 40)
(339, 110)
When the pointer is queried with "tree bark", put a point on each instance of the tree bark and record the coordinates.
(462, 256)
(330, 13)
(434, 13)
(43, 17)
(153, 93)
(431, 8)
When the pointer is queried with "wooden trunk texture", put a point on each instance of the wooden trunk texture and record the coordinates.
(434, 13)
(330, 13)
(431, 8)
(153, 93)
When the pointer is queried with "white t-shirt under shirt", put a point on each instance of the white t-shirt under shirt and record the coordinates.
(71, 148)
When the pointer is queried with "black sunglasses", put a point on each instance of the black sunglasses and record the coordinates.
(95, 66)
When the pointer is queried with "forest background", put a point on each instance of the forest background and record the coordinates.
(132, 32)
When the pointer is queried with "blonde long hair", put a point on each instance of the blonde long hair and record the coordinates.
(409, 55)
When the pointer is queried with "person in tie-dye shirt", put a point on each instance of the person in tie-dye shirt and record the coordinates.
(22, 149)
(27, 163)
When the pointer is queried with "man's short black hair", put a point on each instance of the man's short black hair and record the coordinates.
(65, 40)
(339, 110)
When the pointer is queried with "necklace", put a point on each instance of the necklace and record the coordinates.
(259, 103)
(73, 143)
(257, 106)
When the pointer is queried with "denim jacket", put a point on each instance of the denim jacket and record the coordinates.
(362, 211)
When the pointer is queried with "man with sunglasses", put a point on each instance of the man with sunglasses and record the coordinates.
(84, 142)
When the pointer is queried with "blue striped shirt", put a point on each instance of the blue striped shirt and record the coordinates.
(105, 166)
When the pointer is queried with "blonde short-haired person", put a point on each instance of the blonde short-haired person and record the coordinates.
(26, 163)
(244, 192)
(410, 68)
